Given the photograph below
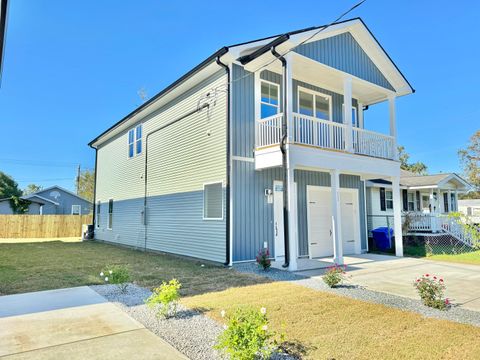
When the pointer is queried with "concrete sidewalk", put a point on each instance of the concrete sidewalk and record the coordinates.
(74, 323)
(395, 275)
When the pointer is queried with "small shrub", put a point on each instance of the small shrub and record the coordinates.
(335, 275)
(117, 275)
(263, 259)
(165, 298)
(431, 290)
(246, 335)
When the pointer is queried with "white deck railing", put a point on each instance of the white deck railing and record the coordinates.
(374, 144)
(269, 131)
(308, 130)
(316, 132)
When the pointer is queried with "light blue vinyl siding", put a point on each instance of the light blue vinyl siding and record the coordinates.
(253, 215)
(65, 202)
(342, 52)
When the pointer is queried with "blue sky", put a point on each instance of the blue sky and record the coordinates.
(73, 68)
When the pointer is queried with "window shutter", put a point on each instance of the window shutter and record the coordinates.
(383, 205)
(445, 202)
(405, 200)
(417, 194)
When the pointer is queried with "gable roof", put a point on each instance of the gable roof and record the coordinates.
(248, 51)
(411, 180)
(34, 197)
(58, 188)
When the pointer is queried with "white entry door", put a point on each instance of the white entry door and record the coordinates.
(319, 217)
(278, 220)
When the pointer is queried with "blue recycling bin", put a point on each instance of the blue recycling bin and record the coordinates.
(381, 238)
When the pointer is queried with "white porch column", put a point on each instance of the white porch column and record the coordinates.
(456, 200)
(347, 109)
(360, 116)
(289, 92)
(433, 211)
(397, 216)
(336, 217)
(393, 124)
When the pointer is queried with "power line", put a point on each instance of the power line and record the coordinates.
(44, 163)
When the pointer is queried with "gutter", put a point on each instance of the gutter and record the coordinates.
(95, 193)
(228, 175)
(284, 150)
(264, 49)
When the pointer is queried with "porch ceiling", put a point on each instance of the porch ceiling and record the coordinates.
(326, 77)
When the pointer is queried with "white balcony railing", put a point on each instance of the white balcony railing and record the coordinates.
(269, 131)
(308, 130)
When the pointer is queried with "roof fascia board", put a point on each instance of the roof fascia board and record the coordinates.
(62, 189)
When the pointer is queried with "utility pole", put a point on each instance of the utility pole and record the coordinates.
(78, 179)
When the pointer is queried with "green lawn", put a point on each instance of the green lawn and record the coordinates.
(439, 253)
(57, 264)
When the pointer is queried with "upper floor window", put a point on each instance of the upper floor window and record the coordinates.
(269, 103)
(314, 104)
(135, 141)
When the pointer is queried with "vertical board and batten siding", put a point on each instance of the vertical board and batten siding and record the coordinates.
(342, 52)
(252, 214)
(181, 158)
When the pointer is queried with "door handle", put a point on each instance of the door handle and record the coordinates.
(276, 228)
(330, 232)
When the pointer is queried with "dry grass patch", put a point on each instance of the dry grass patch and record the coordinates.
(335, 327)
(49, 265)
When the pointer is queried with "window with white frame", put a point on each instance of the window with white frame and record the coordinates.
(354, 115)
(411, 201)
(135, 141)
(110, 214)
(97, 218)
(213, 201)
(389, 199)
(270, 99)
(76, 209)
(314, 104)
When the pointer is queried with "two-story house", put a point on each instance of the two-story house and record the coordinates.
(263, 144)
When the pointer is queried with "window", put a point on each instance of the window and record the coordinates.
(110, 214)
(411, 201)
(135, 141)
(389, 199)
(97, 219)
(314, 104)
(213, 201)
(269, 102)
(453, 202)
(445, 202)
(354, 115)
(76, 209)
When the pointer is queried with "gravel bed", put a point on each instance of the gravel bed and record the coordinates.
(455, 313)
(190, 332)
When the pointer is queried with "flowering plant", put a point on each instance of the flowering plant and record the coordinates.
(263, 259)
(334, 275)
(247, 335)
(165, 298)
(431, 290)
(117, 275)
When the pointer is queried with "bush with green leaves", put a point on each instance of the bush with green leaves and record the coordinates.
(164, 298)
(116, 275)
(247, 335)
(335, 275)
(431, 290)
(263, 259)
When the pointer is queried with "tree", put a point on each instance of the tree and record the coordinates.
(9, 189)
(470, 160)
(86, 183)
(31, 188)
(418, 168)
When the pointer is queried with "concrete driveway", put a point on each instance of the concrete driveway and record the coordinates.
(74, 323)
(396, 275)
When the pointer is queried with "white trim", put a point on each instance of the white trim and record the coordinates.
(365, 215)
(268, 104)
(243, 158)
(356, 115)
(40, 197)
(314, 93)
(203, 201)
(134, 129)
(79, 209)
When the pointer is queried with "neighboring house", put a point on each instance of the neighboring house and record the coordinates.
(60, 201)
(470, 208)
(424, 198)
(34, 207)
(251, 149)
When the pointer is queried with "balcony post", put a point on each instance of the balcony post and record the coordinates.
(393, 125)
(397, 216)
(288, 109)
(360, 116)
(336, 217)
(347, 116)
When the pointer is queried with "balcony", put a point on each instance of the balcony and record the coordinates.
(326, 135)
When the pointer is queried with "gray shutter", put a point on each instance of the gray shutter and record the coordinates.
(383, 203)
(405, 200)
